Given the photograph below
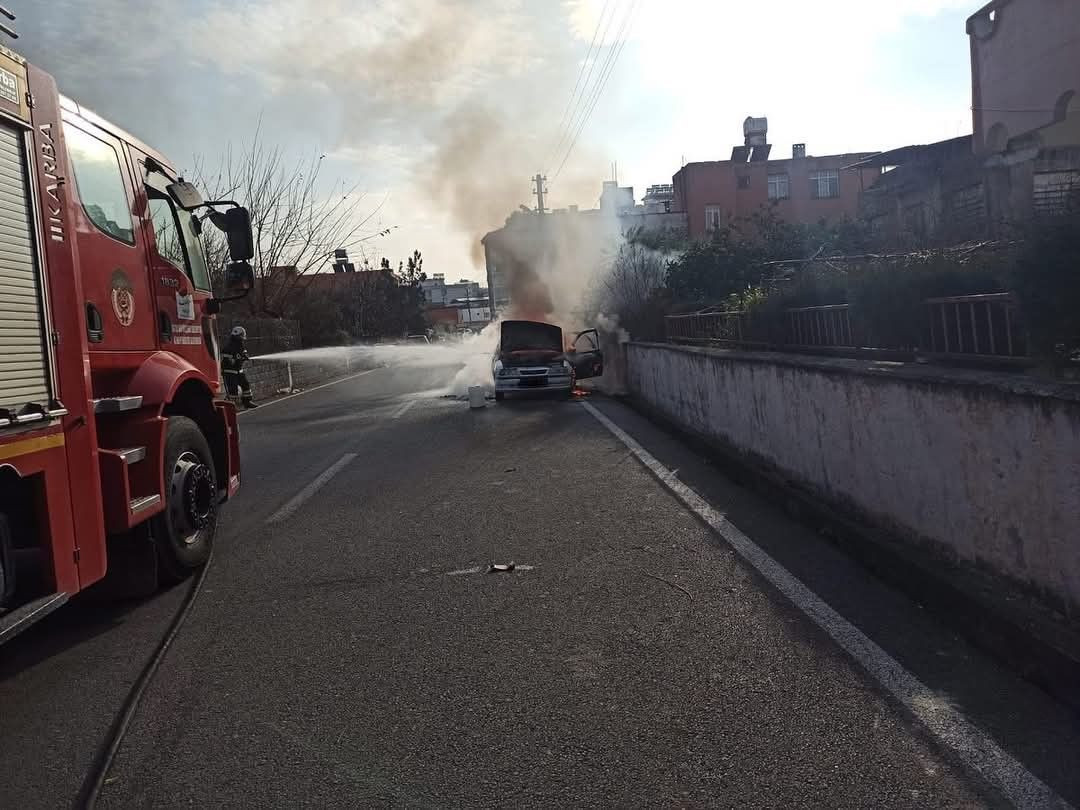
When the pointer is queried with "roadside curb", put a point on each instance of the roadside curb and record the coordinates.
(1026, 639)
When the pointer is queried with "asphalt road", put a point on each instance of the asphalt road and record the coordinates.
(349, 648)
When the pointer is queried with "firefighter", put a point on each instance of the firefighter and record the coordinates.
(232, 366)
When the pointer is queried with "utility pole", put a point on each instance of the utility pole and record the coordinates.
(541, 189)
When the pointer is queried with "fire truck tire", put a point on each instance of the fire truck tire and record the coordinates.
(184, 531)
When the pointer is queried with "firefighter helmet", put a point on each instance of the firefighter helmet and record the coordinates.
(239, 332)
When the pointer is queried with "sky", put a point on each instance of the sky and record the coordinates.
(440, 111)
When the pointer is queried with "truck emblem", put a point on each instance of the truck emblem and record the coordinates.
(123, 302)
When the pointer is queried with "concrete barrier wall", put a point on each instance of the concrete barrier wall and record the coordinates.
(983, 466)
(268, 377)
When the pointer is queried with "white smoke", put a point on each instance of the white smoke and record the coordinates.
(471, 355)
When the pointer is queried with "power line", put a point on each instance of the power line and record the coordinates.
(605, 74)
(581, 72)
(565, 134)
(602, 79)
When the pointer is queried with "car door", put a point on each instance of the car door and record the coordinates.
(585, 355)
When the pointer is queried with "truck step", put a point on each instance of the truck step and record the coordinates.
(142, 504)
(117, 404)
(132, 455)
(14, 622)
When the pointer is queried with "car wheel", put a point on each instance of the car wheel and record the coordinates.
(184, 532)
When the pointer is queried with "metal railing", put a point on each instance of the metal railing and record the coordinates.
(820, 327)
(976, 326)
(984, 328)
(707, 327)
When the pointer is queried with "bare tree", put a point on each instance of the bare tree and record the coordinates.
(296, 221)
(636, 273)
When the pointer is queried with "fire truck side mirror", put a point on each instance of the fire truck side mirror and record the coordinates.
(238, 231)
(239, 277)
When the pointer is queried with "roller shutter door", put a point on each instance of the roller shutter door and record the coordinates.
(23, 370)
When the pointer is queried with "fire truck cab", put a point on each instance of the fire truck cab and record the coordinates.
(115, 439)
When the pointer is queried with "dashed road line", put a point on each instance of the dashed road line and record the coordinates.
(949, 727)
(400, 412)
(303, 495)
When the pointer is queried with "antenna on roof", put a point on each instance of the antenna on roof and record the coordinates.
(11, 32)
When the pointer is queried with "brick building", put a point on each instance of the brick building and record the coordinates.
(1025, 100)
(1025, 72)
(1023, 158)
(804, 188)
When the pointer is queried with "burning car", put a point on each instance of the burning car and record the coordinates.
(531, 357)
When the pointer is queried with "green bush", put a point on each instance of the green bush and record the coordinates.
(1046, 280)
(745, 266)
(888, 299)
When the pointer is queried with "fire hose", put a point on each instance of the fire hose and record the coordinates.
(106, 754)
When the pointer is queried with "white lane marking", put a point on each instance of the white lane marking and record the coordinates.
(481, 569)
(400, 412)
(466, 571)
(289, 508)
(272, 402)
(973, 746)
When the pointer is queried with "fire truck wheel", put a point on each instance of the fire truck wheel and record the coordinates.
(184, 532)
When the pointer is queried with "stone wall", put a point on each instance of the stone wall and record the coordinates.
(982, 466)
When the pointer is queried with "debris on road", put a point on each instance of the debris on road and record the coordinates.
(497, 568)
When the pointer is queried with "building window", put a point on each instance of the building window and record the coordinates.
(713, 217)
(744, 181)
(968, 205)
(917, 219)
(824, 184)
(779, 187)
(1055, 192)
(100, 184)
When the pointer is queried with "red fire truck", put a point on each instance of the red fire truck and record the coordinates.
(117, 445)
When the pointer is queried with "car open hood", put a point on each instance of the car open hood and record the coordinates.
(529, 341)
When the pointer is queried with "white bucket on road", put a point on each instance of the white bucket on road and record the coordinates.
(476, 396)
